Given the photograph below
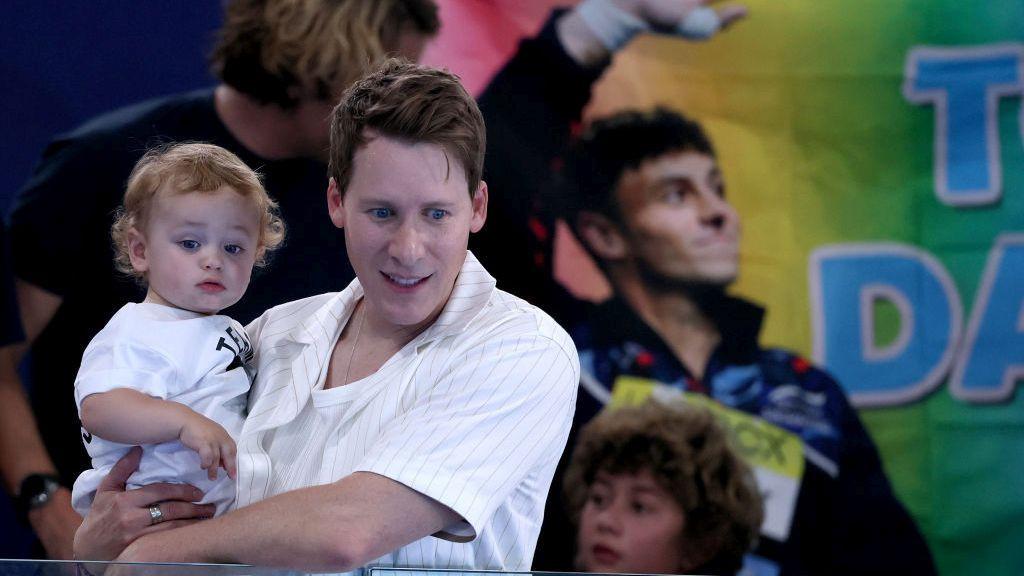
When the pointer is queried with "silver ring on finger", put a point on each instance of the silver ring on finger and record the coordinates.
(156, 515)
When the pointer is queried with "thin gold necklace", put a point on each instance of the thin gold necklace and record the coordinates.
(355, 344)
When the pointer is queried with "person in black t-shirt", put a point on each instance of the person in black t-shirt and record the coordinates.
(281, 66)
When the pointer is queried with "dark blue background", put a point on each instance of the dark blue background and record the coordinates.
(63, 62)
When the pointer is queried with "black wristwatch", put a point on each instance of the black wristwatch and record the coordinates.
(35, 491)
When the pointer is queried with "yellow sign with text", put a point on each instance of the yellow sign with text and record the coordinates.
(775, 454)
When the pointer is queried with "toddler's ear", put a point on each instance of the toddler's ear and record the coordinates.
(137, 250)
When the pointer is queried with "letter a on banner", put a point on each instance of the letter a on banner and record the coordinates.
(992, 357)
(847, 281)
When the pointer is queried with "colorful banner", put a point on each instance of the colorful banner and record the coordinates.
(875, 152)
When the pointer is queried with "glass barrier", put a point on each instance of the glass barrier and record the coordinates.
(66, 568)
(391, 571)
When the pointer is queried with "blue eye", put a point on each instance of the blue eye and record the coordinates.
(233, 249)
(189, 244)
(438, 214)
(381, 213)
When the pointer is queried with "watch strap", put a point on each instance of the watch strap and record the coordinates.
(34, 491)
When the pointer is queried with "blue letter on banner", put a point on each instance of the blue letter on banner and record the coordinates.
(964, 85)
(992, 357)
(846, 281)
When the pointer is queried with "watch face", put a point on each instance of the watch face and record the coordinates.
(39, 500)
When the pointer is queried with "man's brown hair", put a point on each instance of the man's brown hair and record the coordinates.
(276, 51)
(412, 103)
(688, 453)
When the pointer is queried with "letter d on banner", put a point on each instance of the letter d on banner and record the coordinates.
(846, 282)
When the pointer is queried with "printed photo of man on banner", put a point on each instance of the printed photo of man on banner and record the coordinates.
(875, 152)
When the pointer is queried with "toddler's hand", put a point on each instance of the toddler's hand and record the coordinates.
(212, 442)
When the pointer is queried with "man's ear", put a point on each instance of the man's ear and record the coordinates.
(335, 203)
(137, 250)
(601, 235)
(479, 208)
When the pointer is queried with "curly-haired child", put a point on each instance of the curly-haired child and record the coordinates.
(657, 488)
(170, 373)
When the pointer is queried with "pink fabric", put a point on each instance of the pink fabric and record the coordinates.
(478, 36)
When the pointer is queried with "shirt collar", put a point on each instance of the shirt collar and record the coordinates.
(473, 288)
(738, 322)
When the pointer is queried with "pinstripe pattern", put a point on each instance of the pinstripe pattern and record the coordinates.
(474, 412)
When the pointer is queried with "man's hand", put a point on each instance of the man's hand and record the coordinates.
(119, 517)
(596, 29)
(212, 442)
(664, 15)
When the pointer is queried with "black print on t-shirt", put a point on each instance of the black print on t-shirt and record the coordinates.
(241, 349)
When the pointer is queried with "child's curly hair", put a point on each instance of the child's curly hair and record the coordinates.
(688, 453)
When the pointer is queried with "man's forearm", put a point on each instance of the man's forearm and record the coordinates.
(22, 453)
(290, 531)
(336, 527)
(21, 448)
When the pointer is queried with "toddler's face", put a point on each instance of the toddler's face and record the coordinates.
(629, 523)
(198, 249)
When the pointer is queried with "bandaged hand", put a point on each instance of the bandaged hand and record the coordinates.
(616, 22)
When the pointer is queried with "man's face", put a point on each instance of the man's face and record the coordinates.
(677, 226)
(407, 217)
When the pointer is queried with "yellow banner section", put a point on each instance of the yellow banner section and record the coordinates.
(762, 444)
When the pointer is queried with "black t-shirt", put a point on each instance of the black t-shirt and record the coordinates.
(530, 107)
(10, 330)
(60, 241)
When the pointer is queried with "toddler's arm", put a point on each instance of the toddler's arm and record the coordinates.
(131, 417)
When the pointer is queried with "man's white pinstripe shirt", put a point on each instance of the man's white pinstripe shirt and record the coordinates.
(474, 412)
